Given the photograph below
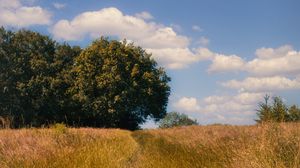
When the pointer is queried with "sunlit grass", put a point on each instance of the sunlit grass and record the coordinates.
(270, 145)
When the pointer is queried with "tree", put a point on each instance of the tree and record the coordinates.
(294, 114)
(118, 85)
(26, 57)
(174, 119)
(109, 84)
(265, 111)
(279, 110)
(33, 78)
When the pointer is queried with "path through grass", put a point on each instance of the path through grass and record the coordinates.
(275, 145)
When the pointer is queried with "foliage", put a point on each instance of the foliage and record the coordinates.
(278, 111)
(108, 84)
(34, 78)
(174, 119)
(118, 85)
(294, 113)
(60, 128)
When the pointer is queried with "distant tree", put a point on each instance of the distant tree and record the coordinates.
(264, 111)
(118, 85)
(279, 110)
(174, 119)
(294, 114)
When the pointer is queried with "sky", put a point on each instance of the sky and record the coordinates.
(222, 56)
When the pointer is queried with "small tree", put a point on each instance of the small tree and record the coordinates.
(174, 119)
(294, 114)
(265, 111)
(279, 110)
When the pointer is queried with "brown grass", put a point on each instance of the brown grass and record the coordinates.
(263, 146)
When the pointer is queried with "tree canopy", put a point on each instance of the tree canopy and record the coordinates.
(108, 84)
(118, 85)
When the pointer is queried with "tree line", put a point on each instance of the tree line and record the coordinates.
(277, 111)
(107, 84)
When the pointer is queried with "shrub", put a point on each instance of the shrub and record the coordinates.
(60, 128)
(174, 119)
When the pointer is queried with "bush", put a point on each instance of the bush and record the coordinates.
(174, 119)
(60, 128)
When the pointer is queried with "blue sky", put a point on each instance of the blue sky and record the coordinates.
(222, 56)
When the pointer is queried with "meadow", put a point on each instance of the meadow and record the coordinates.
(259, 146)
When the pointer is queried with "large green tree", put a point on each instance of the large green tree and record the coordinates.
(33, 77)
(109, 84)
(118, 85)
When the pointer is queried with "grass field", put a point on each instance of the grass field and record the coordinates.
(264, 146)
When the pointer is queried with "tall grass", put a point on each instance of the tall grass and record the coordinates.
(261, 146)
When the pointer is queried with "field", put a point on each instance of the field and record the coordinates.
(263, 146)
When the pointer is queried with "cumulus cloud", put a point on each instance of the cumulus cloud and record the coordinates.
(222, 63)
(268, 62)
(174, 57)
(254, 84)
(111, 21)
(59, 5)
(167, 47)
(203, 41)
(188, 104)
(176, 27)
(269, 53)
(281, 61)
(14, 13)
(231, 109)
(144, 15)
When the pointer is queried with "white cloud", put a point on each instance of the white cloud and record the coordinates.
(205, 54)
(144, 15)
(268, 62)
(231, 109)
(188, 104)
(112, 22)
(177, 58)
(59, 5)
(222, 63)
(203, 41)
(176, 27)
(9, 4)
(13, 13)
(254, 84)
(197, 28)
(269, 53)
(168, 48)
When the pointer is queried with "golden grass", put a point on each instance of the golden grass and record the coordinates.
(263, 146)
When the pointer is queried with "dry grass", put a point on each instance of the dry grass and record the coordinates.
(271, 145)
